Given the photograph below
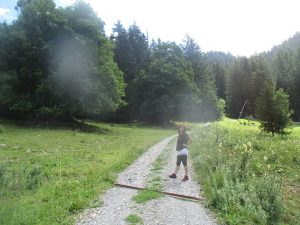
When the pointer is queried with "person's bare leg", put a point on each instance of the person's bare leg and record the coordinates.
(186, 170)
(177, 169)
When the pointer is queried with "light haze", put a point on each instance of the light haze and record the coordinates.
(241, 27)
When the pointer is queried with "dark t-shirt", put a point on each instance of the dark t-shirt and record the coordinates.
(182, 139)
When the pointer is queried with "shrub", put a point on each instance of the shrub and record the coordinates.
(231, 181)
(221, 106)
(272, 109)
(34, 177)
(269, 194)
(2, 176)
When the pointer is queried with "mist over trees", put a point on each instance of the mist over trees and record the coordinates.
(245, 77)
(59, 63)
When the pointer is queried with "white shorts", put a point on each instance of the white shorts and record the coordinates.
(183, 151)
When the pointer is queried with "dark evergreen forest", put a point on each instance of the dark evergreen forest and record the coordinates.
(58, 63)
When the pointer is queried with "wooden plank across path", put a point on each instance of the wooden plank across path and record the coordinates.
(163, 192)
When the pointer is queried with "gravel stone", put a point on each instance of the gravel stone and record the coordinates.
(118, 204)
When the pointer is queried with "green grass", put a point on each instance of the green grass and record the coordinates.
(134, 219)
(155, 181)
(147, 195)
(47, 176)
(249, 177)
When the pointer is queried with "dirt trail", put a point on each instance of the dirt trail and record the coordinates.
(118, 204)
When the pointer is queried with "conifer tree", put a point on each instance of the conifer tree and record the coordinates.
(272, 109)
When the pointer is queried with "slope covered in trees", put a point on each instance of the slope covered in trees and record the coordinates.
(239, 80)
(59, 63)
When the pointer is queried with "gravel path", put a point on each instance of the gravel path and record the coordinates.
(118, 204)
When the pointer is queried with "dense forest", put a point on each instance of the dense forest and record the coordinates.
(58, 63)
(243, 79)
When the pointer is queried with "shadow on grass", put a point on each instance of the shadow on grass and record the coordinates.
(70, 124)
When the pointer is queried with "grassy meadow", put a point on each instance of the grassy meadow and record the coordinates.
(248, 176)
(47, 176)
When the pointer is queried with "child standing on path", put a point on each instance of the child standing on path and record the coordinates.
(183, 141)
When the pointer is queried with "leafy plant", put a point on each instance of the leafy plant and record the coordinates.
(234, 168)
(134, 219)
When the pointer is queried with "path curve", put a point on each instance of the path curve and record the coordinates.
(118, 204)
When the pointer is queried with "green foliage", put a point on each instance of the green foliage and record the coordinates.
(272, 110)
(239, 87)
(221, 79)
(247, 176)
(166, 86)
(50, 175)
(296, 94)
(175, 75)
(284, 62)
(144, 196)
(283, 68)
(134, 219)
(260, 73)
(39, 78)
(131, 53)
(221, 107)
(57, 62)
(241, 79)
(131, 50)
(246, 83)
(205, 106)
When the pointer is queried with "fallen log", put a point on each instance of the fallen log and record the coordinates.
(162, 192)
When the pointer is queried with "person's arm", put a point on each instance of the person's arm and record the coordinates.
(190, 140)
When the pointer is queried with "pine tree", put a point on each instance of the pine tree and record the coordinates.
(272, 109)
(207, 106)
(296, 108)
(132, 56)
(283, 67)
(260, 73)
(239, 90)
(220, 79)
(166, 88)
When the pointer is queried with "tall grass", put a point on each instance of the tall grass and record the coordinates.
(48, 176)
(245, 173)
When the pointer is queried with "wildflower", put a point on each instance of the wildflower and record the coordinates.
(265, 158)
(269, 166)
(280, 170)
